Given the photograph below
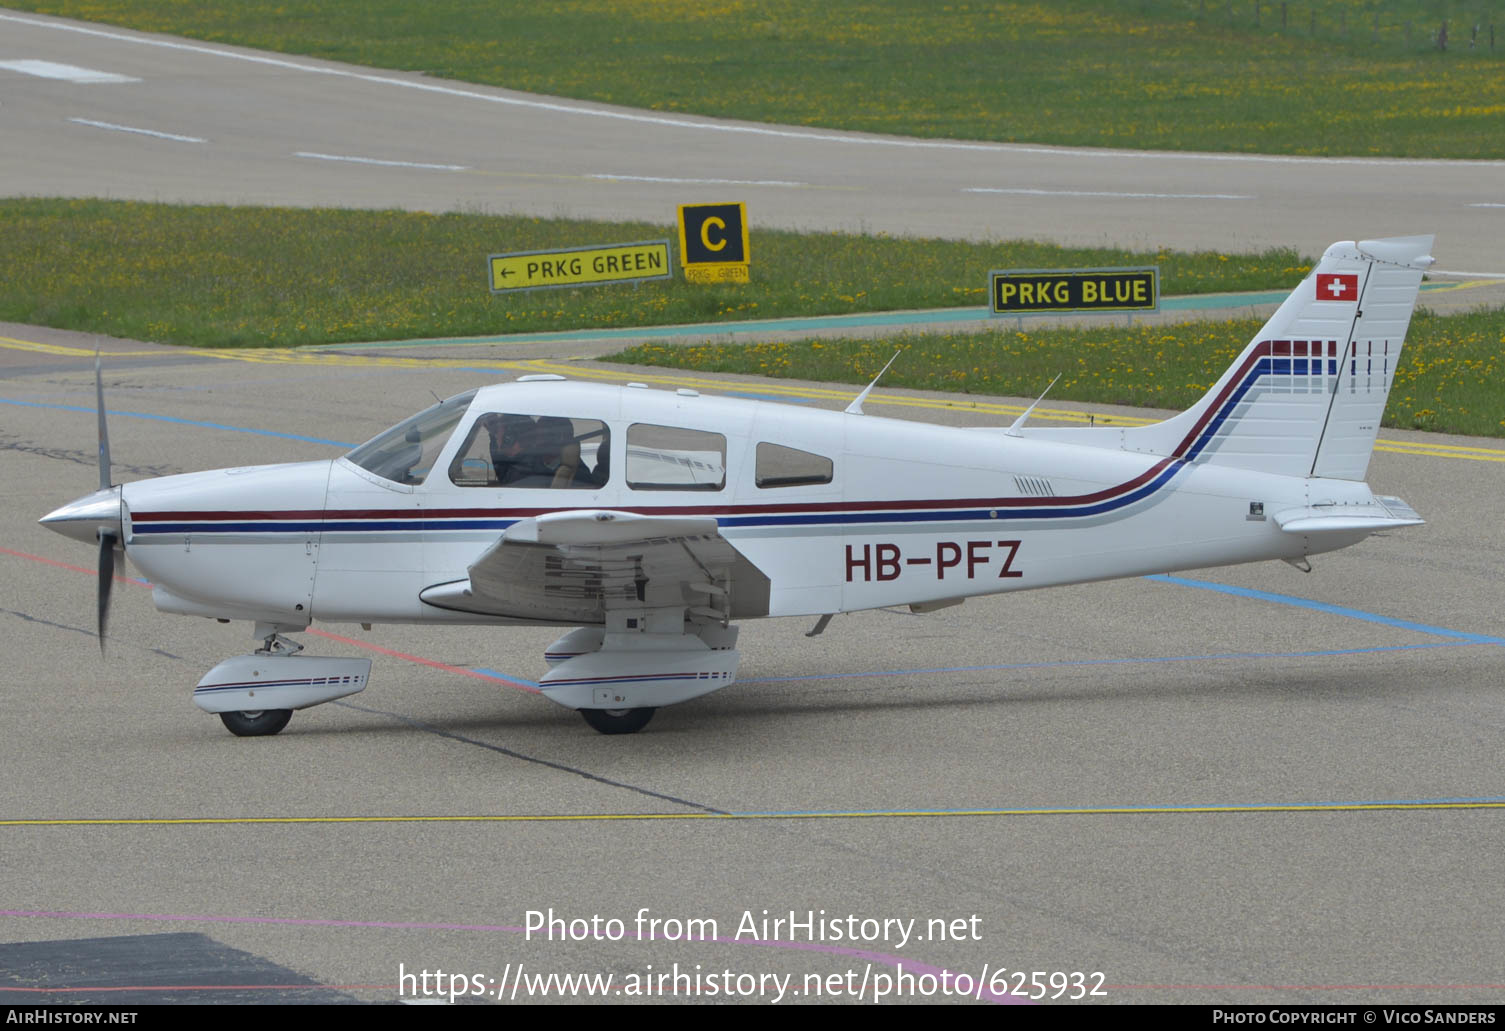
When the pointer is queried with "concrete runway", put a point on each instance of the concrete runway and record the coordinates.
(1289, 794)
(177, 120)
(1204, 796)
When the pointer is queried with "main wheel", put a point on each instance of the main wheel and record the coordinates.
(618, 721)
(259, 723)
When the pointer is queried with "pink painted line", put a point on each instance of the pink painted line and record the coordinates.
(918, 969)
(1301, 987)
(196, 988)
(71, 567)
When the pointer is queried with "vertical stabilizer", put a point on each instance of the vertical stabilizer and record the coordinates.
(1306, 396)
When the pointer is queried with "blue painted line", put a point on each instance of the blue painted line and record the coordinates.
(1422, 801)
(1336, 610)
(1068, 663)
(1099, 810)
(507, 677)
(181, 422)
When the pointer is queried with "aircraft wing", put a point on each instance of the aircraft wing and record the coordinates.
(571, 567)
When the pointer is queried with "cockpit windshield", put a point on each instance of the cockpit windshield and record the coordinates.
(406, 452)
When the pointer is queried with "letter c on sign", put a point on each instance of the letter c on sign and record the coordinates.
(705, 233)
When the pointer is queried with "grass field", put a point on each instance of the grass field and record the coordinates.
(1448, 380)
(1401, 77)
(256, 277)
(1355, 77)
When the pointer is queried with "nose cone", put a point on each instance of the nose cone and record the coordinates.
(83, 519)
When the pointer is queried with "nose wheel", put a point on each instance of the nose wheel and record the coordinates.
(618, 721)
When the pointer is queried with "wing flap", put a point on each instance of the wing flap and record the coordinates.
(571, 567)
(595, 526)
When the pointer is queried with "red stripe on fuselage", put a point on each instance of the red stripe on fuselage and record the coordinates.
(422, 514)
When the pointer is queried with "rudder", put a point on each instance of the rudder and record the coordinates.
(1373, 358)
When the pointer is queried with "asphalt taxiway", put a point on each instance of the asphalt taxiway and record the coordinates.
(1242, 784)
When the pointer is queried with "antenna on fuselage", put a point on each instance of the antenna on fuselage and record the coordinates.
(855, 408)
(1013, 430)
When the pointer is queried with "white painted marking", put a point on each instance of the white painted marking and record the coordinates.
(67, 72)
(1103, 153)
(1105, 193)
(142, 132)
(695, 182)
(1487, 205)
(378, 161)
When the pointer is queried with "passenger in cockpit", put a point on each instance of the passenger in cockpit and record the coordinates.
(557, 451)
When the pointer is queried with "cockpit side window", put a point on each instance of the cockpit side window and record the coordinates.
(507, 449)
(671, 458)
(406, 452)
(780, 466)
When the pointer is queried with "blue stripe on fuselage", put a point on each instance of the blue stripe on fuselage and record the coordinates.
(417, 523)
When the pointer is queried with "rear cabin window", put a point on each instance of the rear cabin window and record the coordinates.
(780, 466)
(508, 449)
(671, 458)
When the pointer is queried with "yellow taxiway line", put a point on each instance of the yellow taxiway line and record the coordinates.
(1316, 807)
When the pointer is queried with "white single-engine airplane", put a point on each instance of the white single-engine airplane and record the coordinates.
(652, 520)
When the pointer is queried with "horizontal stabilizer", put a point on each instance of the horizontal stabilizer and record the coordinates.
(1382, 514)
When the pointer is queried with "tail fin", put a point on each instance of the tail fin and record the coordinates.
(1306, 396)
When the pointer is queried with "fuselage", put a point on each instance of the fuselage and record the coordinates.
(840, 512)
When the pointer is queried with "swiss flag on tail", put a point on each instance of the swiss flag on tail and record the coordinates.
(1337, 286)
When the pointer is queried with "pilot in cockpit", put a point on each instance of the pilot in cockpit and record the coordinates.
(529, 453)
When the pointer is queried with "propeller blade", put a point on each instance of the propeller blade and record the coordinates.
(106, 581)
(107, 539)
(104, 432)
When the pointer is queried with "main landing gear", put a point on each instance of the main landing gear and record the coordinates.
(618, 675)
(256, 723)
(618, 721)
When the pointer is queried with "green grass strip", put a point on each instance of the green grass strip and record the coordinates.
(1448, 379)
(1416, 78)
(257, 277)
